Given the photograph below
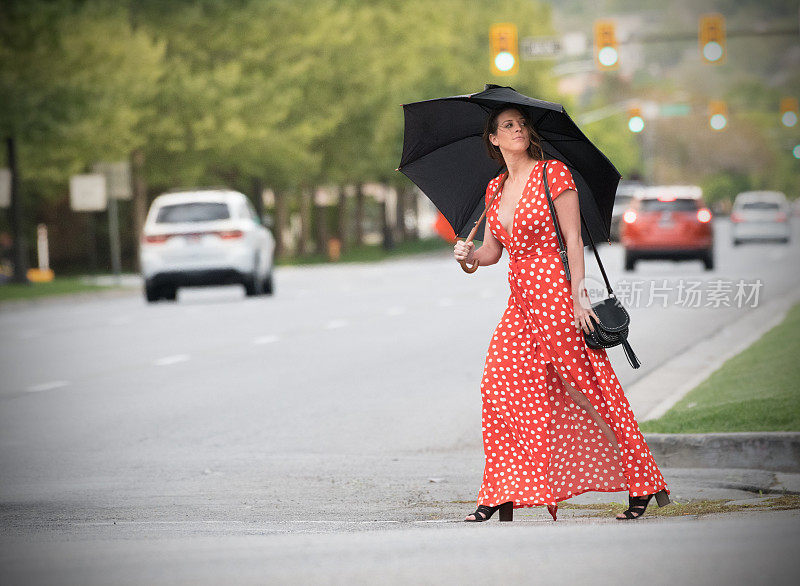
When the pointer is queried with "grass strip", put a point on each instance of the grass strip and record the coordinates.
(58, 286)
(756, 390)
(371, 252)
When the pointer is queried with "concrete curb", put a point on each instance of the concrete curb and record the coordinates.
(778, 451)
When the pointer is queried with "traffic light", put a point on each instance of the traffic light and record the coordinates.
(789, 112)
(505, 49)
(712, 38)
(606, 51)
(635, 120)
(717, 114)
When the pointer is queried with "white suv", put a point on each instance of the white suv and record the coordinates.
(761, 215)
(204, 237)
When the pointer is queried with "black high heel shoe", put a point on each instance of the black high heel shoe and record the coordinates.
(483, 513)
(638, 504)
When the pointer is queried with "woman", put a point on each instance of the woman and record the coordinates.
(555, 420)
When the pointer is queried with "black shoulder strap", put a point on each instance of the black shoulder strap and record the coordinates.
(562, 251)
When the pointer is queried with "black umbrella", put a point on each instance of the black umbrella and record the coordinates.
(444, 155)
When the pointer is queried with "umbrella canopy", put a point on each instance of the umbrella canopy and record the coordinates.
(444, 155)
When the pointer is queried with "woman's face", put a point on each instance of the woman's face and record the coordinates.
(512, 134)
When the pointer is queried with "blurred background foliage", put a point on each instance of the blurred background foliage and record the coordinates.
(296, 94)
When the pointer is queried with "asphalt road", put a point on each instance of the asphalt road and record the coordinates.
(232, 439)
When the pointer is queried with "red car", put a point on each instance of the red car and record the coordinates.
(668, 222)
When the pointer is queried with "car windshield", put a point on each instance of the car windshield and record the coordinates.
(680, 204)
(193, 212)
(760, 205)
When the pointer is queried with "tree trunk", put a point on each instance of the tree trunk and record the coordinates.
(321, 227)
(19, 246)
(358, 232)
(341, 214)
(402, 233)
(281, 223)
(139, 199)
(305, 219)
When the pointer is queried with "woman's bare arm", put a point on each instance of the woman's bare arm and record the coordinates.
(490, 251)
(569, 220)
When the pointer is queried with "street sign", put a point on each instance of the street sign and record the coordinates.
(541, 47)
(118, 178)
(87, 193)
(5, 188)
(673, 110)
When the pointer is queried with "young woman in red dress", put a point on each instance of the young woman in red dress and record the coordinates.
(555, 420)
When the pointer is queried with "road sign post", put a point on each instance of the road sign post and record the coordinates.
(87, 193)
(118, 183)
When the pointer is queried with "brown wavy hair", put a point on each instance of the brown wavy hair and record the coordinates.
(534, 148)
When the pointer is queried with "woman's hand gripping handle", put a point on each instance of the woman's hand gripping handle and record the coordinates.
(464, 252)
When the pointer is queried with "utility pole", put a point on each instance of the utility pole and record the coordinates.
(19, 248)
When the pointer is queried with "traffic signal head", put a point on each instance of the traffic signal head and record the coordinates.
(505, 49)
(712, 38)
(789, 112)
(635, 120)
(606, 50)
(717, 114)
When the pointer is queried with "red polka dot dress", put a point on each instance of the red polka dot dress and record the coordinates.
(540, 446)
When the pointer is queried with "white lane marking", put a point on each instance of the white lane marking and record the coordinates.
(335, 323)
(48, 386)
(266, 339)
(396, 310)
(168, 360)
(445, 302)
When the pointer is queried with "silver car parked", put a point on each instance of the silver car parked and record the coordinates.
(760, 215)
(205, 237)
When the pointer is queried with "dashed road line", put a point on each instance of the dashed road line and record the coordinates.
(48, 386)
(169, 360)
(265, 340)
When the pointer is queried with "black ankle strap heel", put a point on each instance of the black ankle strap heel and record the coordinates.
(638, 504)
(483, 513)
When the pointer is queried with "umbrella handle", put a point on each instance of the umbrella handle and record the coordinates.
(467, 268)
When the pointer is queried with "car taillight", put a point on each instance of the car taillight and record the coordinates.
(704, 215)
(629, 217)
(735, 217)
(229, 234)
(156, 238)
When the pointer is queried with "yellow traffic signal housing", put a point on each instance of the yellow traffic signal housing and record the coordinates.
(505, 48)
(717, 114)
(712, 38)
(789, 112)
(635, 119)
(606, 50)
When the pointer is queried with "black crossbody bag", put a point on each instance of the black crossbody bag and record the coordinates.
(612, 329)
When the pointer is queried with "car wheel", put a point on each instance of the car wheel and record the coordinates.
(170, 292)
(630, 262)
(269, 286)
(251, 285)
(151, 293)
(708, 261)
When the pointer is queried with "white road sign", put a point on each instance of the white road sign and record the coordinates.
(540, 47)
(87, 193)
(118, 178)
(5, 188)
